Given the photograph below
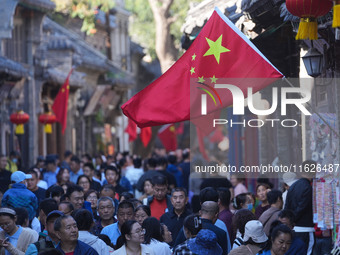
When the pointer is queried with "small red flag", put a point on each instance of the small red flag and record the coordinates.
(217, 136)
(59, 106)
(168, 137)
(219, 51)
(180, 129)
(145, 135)
(131, 129)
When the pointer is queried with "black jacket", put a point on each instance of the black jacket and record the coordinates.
(222, 239)
(173, 222)
(300, 201)
(5, 180)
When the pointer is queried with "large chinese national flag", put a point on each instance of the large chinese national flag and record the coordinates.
(59, 106)
(219, 51)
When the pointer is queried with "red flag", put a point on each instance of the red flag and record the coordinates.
(59, 106)
(131, 129)
(145, 135)
(217, 136)
(168, 137)
(219, 51)
(180, 129)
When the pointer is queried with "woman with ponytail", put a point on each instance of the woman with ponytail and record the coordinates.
(192, 225)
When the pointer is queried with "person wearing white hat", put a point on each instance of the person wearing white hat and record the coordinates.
(289, 179)
(19, 195)
(300, 201)
(254, 239)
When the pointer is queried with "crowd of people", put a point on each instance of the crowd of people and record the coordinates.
(122, 204)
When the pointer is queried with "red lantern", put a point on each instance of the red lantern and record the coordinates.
(19, 118)
(47, 119)
(336, 13)
(308, 11)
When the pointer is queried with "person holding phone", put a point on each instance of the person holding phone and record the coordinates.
(14, 239)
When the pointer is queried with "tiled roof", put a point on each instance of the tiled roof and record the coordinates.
(13, 68)
(87, 56)
(44, 5)
(58, 77)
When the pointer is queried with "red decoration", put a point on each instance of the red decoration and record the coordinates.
(308, 11)
(168, 136)
(131, 129)
(47, 119)
(19, 118)
(145, 135)
(60, 103)
(219, 51)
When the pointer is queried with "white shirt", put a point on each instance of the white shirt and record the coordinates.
(133, 174)
(35, 225)
(94, 242)
(42, 184)
(144, 251)
(162, 248)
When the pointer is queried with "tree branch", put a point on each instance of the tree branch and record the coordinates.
(166, 5)
(153, 5)
(172, 19)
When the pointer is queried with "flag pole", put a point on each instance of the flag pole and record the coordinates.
(313, 109)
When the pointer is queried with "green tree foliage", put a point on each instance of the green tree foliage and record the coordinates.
(142, 26)
(85, 10)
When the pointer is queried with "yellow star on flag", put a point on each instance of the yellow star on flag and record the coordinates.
(201, 79)
(62, 90)
(213, 79)
(68, 87)
(193, 57)
(192, 70)
(215, 48)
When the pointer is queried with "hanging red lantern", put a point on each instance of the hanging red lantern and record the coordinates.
(336, 13)
(19, 118)
(47, 119)
(308, 11)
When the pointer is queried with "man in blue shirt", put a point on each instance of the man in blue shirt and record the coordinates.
(76, 170)
(125, 212)
(66, 229)
(50, 174)
(172, 169)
